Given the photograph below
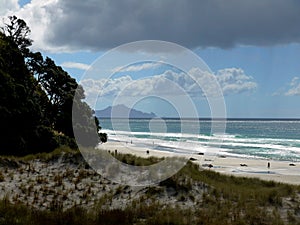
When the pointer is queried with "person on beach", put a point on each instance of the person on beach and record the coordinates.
(268, 165)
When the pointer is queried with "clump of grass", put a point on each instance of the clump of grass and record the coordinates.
(153, 191)
(115, 216)
(137, 161)
(82, 174)
(48, 156)
(41, 179)
(2, 178)
(58, 179)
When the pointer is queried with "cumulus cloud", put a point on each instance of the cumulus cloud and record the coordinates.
(75, 65)
(40, 16)
(195, 84)
(290, 89)
(235, 81)
(8, 7)
(65, 25)
(294, 87)
(126, 86)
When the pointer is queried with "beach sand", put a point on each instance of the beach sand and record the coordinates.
(279, 171)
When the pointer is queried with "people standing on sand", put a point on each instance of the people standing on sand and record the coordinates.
(269, 167)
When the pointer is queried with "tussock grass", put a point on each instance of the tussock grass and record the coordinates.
(1, 177)
(48, 156)
(44, 156)
(137, 161)
(223, 200)
(241, 189)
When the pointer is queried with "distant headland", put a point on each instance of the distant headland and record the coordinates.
(122, 111)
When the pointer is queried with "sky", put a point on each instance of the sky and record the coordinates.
(248, 50)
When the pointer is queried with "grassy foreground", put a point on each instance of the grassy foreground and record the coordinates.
(224, 200)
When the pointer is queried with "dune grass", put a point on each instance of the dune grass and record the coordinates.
(225, 200)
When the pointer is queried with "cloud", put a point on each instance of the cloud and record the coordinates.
(75, 65)
(290, 89)
(138, 67)
(8, 7)
(40, 16)
(70, 25)
(235, 81)
(294, 87)
(195, 84)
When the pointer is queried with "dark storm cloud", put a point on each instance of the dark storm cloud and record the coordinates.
(102, 24)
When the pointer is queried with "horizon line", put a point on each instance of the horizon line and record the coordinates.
(208, 118)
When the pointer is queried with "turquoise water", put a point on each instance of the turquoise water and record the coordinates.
(250, 138)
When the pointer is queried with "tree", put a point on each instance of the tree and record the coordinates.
(20, 109)
(36, 98)
(60, 88)
(18, 31)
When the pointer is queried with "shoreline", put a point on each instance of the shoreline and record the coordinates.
(279, 171)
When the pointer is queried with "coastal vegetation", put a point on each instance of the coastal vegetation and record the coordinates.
(36, 98)
(75, 194)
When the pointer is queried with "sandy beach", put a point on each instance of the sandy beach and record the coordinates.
(279, 171)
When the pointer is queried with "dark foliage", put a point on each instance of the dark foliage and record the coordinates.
(36, 98)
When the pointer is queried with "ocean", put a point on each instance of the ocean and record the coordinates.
(277, 139)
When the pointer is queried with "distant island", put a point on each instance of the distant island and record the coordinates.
(122, 111)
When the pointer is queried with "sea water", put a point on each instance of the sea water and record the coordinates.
(277, 139)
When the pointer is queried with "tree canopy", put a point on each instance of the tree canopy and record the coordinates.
(36, 98)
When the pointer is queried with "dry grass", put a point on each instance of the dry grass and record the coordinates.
(220, 199)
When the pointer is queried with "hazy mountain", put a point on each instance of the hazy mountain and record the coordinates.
(121, 111)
